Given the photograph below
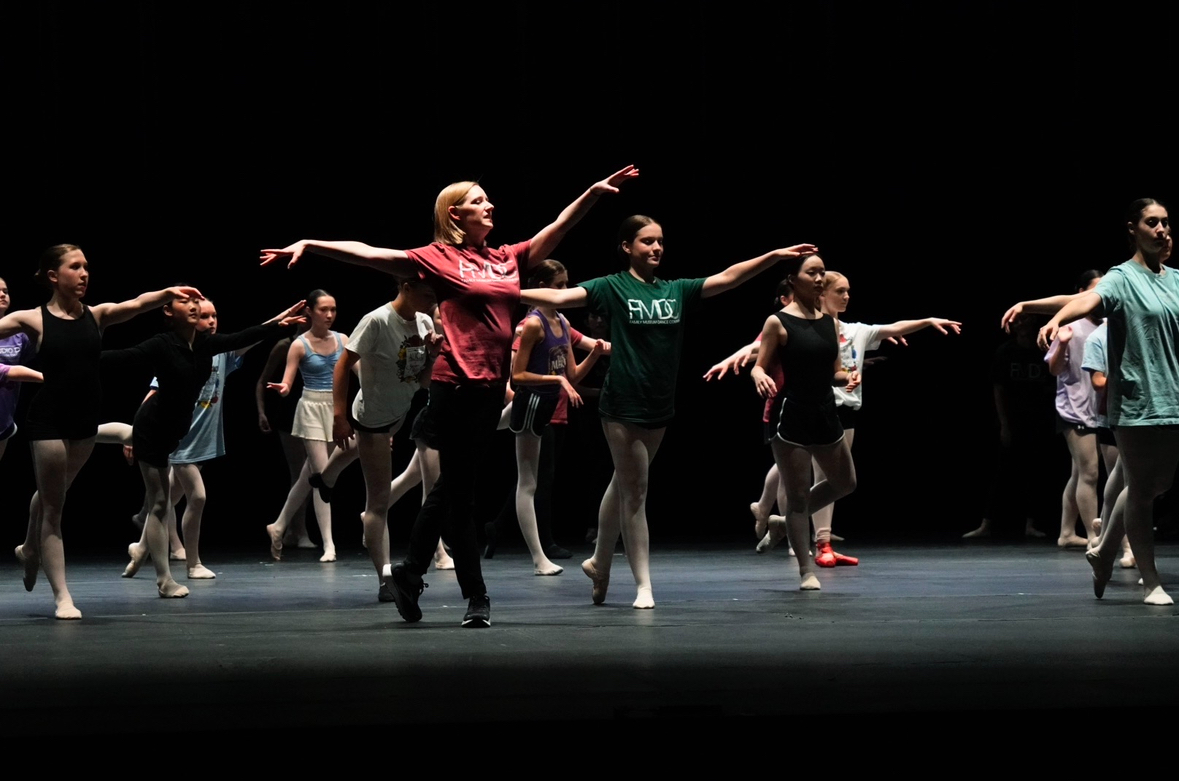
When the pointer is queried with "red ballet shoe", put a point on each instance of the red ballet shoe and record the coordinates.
(824, 556)
(845, 561)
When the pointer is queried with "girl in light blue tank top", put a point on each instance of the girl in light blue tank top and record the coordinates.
(309, 354)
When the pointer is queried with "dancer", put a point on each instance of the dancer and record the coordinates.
(543, 368)
(313, 355)
(63, 418)
(478, 287)
(14, 351)
(204, 441)
(182, 360)
(1140, 300)
(1076, 419)
(276, 414)
(804, 343)
(638, 399)
(394, 348)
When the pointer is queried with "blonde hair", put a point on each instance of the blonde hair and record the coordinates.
(445, 229)
(830, 278)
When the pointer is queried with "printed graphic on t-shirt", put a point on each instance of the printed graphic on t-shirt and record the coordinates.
(847, 353)
(411, 358)
(209, 395)
(558, 356)
(658, 311)
(486, 271)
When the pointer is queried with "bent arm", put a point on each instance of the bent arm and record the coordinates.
(19, 373)
(1081, 305)
(532, 336)
(111, 314)
(773, 336)
(16, 322)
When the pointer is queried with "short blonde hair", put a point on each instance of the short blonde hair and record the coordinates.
(445, 229)
(830, 278)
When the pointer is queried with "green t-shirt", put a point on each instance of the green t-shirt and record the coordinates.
(1143, 319)
(646, 333)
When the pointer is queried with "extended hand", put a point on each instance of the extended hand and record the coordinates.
(282, 388)
(611, 183)
(941, 324)
(291, 254)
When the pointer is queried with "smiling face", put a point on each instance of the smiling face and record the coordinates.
(1151, 231)
(473, 214)
(644, 252)
(72, 276)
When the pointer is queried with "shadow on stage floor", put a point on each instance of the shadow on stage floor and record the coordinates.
(940, 635)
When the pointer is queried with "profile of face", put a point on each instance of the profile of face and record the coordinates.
(559, 282)
(72, 274)
(1152, 231)
(808, 282)
(207, 317)
(323, 314)
(837, 294)
(645, 251)
(419, 295)
(5, 302)
(473, 214)
(183, 311)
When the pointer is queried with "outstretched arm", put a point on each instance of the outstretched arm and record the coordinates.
(739, 272)
(1040, 306)
(1081, 305)
(550, 236)
(733, 363)
(390, 261)
(903, 327)
(19, 373)
(555, 297)
(26, 320)
(110, 314)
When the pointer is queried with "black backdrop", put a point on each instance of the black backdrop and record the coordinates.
(949, 160)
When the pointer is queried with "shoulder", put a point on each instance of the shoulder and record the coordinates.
(531, 325)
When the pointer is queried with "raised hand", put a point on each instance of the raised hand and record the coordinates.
(612, 182)
(292, 315)
(291, 254)
(184, 292)
(797, 250)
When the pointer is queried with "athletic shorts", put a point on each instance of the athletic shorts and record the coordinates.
(8, 432)
(423, 429)
(1063, 425)
(806, 425)
(847, 416)
(1105, 436)
(532, 411)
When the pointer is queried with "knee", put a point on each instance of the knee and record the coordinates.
(848, 485)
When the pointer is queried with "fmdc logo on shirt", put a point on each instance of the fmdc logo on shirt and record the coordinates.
(659, 310)
(488, 271)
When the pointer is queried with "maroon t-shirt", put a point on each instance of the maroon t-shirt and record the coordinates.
(478, 290)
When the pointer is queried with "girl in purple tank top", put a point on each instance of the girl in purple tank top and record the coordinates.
(542, 369)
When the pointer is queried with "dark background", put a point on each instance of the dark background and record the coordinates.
(950, 160)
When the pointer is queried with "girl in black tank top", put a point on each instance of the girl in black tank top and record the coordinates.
(63, 419)
(805, 344)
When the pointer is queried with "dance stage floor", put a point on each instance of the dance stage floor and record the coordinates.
(934, 634)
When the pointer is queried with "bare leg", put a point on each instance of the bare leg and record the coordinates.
(633, 448)
(158, 487)
(527, 464)
(1080, 492)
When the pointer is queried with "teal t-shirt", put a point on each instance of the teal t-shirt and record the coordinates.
(1142, 311)
(646, 334)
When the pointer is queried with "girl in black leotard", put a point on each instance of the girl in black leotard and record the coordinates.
(805, 344)
(181, 359)
(63, 419)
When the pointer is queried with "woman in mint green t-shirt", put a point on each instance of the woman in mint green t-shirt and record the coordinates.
(646, 316)
(1140, 300)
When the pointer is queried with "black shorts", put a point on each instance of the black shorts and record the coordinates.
(1063, 425)
(424, 430)
(532, 411)
(1105, 436)
(806, 425)
(388, 428)
(847, 417)
(8, 432)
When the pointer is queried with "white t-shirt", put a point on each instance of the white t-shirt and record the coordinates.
(855, 339)
(393, 359)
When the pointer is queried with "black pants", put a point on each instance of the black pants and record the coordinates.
(465, 417)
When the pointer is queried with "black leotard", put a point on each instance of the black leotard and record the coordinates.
(67, 404)
(805, 407)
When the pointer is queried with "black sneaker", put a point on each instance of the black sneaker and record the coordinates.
(325, 490)
(406, 588)
(478, 612)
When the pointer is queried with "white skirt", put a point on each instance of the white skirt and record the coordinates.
(313, 416)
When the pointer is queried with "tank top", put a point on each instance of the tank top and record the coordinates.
(550, 356)
(67, 406)
(808, 358)
(317, 369)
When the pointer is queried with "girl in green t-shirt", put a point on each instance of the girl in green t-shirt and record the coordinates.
(646, 317)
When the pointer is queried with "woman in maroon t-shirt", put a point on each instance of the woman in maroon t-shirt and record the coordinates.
(478, 288)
